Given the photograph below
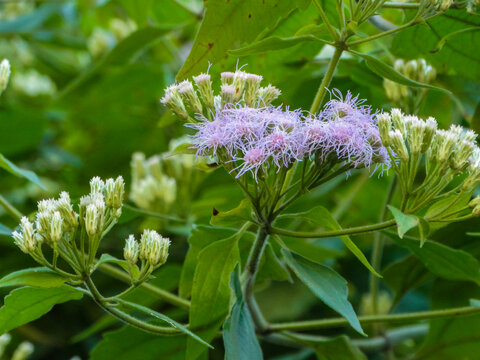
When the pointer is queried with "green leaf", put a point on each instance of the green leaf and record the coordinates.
(272, 43)
(229, 24)
(454, 55)
(165, 318)
(13, 169)
(447, 37)
(107, 258)
(40, 277)
(201, 237)
(271, 267)
(404, 275)
(327, 284)
(404, 222)
(211, 292)
(30, 21)
(121, 54)
(239, 335)
(26, 304)
(127, 343)
(442, 260)
(321, 216)
(386, 71)
(448, 205)
(476, 119)
(5, 230)
(235, 218)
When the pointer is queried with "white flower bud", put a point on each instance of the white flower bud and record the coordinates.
(398, 145)
(4, 341)
(205, 88)
(227, 77)
(474, 202)
(251, 90)
(139, 170)
(415, 129)
(384, 123)
(4, 74)
(398, 120)
(227, 93)
(23, 351)
(268, 94)
(64, 206)
(411, 69)
(173, 100)
(429, 133)
(96, 185)
(447, 141)
(99, 42)
(392, 90)
(155, 167)
(131, 250)
(114, 191)
(56, 227)
(188, 93)
(154, 248)
(459, 160)
(121, 28)
(239, 82)
(25, 239)
(399, 65)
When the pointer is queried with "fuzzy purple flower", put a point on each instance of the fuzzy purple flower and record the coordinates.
(256, 139)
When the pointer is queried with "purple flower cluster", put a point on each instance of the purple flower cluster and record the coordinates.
(257, 138)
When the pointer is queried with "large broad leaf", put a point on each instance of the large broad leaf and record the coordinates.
(322, 217)
(228, 25)
(211, 292)
(15, 170)
(452, 338)
(442, 260)
(41, 277)
(127, 343)
(239, 335)
(201, 237)
(388, 72)
(327, 284)
(404, 275)
(121, 54)
(27, 304)
(456, 54)
(235, 217)
(272, 43)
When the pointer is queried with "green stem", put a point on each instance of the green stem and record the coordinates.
(377, 251)
(325, 234)
(324, 17)
(251, 269)
(394, 5)
(154, 290)
(101, 301)
(382, 34)
(389, 318)
(10, 209)
(317, 102)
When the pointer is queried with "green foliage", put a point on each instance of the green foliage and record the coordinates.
(239, 335)
(13, 169)
(41, 277)
(328, 285)
(27, 304)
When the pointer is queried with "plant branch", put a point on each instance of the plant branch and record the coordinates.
(325, 234)
(152, 289)
(389, 318)
(10, 209)
(317, 102)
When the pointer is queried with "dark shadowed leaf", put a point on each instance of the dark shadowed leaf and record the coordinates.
(13, 169)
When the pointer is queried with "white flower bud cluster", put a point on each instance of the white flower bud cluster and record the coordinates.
(473, 6)
(4, 74)
(416, 70)
(236, 87)
(122, 28)
(100, 41)
(406, 135)
(56, 222)
(153, 248)
(441, 5)
(152, 189)
(448, 154)
(33, 84)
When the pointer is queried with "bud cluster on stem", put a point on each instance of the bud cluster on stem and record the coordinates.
(447, 154)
